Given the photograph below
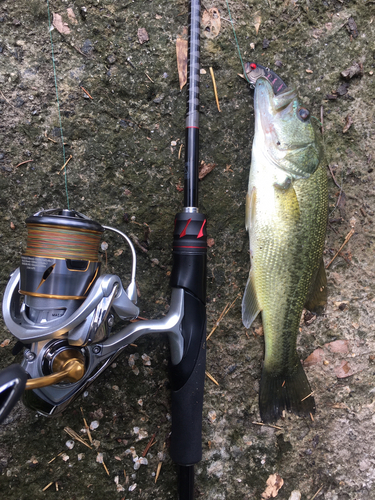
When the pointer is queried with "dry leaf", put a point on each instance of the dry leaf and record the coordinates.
(61, 27)
(344, 370)
(259, 331)
(142, 35)
(182, 56)
(5, 343)
(274, 483)
(210, 242)
(340, 346)
(12, 226)
(71, 16)
(348, 124)
(211, 22)
(257, 22)
(314, 358)
(309, 71)
(205, 168)
(353, 70)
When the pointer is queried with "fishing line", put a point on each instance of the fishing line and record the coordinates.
(58, 103)
(237, 44)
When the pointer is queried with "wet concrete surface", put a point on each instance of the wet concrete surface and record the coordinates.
(126, 172)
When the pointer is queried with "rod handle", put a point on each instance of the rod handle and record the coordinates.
(187, 376)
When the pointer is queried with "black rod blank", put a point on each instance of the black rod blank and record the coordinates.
(192, 111)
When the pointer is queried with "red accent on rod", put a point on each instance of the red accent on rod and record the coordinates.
(183, 232)
(191, 127)
(187, 246)
(200, 234)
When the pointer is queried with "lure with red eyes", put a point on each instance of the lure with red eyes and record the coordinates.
(254, 71)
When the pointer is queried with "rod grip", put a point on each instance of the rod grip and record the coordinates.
(187, 377)
(187, 380)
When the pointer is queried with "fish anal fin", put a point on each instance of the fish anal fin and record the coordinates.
(285, 391)
(250, 305)
(317, 296)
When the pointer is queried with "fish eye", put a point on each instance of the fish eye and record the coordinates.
(303, 114)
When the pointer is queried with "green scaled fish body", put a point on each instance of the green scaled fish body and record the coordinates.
(286, 217)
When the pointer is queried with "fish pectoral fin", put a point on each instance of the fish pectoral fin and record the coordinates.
(317, 296)
(250, 305)
(250, 208)
(287, 201)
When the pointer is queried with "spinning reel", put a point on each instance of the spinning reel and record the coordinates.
(62, 310)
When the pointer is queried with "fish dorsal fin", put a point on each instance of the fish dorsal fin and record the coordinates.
(250, 305)
(317, 296)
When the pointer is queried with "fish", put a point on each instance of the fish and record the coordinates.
(286, 218)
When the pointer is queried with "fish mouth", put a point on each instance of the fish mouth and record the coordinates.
(265, 98)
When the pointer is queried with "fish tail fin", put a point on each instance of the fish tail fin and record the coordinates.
(250, 306)
(287, 391)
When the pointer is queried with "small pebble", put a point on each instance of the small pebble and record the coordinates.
(94, 425)
(70, 444)
(295, 495)
(212, 416)
(146, 360)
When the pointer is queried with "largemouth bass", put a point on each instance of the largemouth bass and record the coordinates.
(286, 217)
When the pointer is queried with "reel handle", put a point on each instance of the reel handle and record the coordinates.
(187, 376)
(12, 384)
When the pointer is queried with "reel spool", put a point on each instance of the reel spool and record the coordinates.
(60, 264)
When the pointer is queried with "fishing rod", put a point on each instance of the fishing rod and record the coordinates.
(62, 311)
(189, 274)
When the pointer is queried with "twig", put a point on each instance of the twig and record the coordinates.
(23, 163)
(347, 238)
(179, 151)
(215, 90)
(334, 178)
(105, 468)
(212, 378)
(149, 444)
(267, 425)
(74, 435)
(54, 458)
(322, 118)
(158, 471)
(317, 493)
(311, 393)
(85, 91)
(48, 485)
(65, 164)
(136, 241)
(6, 100)
(224, 312)
(86, 426)
(79, 51)
(151, 80)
